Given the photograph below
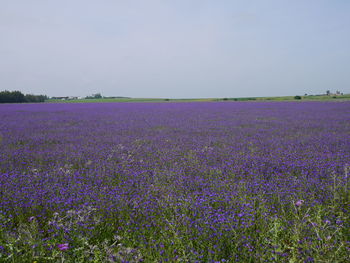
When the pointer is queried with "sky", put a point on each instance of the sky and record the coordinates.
(175, 48)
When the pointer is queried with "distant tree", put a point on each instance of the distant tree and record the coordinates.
(11, 97)
(18, 97)
(35, 98)
(328, 92)
(297, 97)
(94, 96)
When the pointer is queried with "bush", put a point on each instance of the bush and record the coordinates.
(297, 97)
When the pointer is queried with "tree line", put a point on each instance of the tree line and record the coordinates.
(18, 97)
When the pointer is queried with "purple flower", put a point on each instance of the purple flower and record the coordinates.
(63, 247)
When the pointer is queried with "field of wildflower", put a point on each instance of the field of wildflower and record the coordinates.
(175, 182)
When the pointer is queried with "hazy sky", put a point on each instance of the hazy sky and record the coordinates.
(175, 48)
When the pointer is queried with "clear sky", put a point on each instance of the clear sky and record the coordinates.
(175, 48)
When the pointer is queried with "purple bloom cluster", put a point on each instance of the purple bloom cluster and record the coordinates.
(63, 247)
(199, 169)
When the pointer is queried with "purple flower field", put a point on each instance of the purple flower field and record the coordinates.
(176, 182)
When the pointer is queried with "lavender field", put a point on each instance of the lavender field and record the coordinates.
(175, 182)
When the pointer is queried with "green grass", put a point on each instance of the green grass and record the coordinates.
(281, 98)
(124, 100)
